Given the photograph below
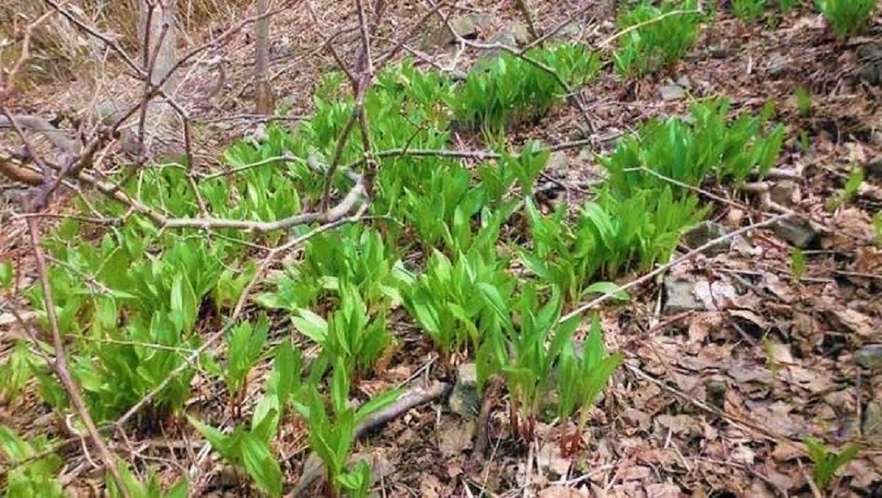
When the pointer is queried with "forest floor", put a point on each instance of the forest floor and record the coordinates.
(716, 396)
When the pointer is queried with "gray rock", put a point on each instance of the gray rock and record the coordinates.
(464, 397)
(798, 233)
(871, 427)
(777, 65)
(869, 356)
(679, 297)
(670, 93)
(874, 167)
(522, 34)
(785, 192)
(464, 27)
(705, 232)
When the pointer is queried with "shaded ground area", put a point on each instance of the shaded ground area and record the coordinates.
(732, 358)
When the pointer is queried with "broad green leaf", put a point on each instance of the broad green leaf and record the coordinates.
(261, 465)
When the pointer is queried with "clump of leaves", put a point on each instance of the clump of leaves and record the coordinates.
(846, 16)
(446, 300)
(250, 446)
(533, 351)
(245, 343)
(510, 89)
(333, 429)
(826, 461)
(28, 473)
(612, 235)
(582, 377)
(657, 36)
(852, 187)
(681, 151)
(134, 487)
(748, 10)
(350, 334)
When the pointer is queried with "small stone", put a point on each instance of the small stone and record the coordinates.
(777, 65)
(464, 397)
(869, 356)
(715, 392)
(522, 34)
(798, 233)
(671, 92)
(785, 192)
(679, 297)
(464, 27)
(874, 167)
(705, 232)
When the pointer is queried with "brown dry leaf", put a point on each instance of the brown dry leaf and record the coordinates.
(750, 316)
(662, 491)
(634, 473)
(853, 321)
(815, 381)
(430, 486)
(681, 425)
(550, 460)
(563, 492)
(779, 353)
(455, 437)
(868, 259)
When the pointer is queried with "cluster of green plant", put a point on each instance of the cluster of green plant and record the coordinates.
(250, 446)
(852, 187)
(445, 299)
(827, 462)
(846, 16)
(27, 473)
(655, 36)
(509, 89)
(607, 237)
(349, 336)
(133, 303)
(529, 343)
(332, 430)
(685, 152)
(749, 10)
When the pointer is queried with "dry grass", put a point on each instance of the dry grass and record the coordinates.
(61, 52)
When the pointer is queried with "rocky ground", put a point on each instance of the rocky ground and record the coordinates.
(732, 356)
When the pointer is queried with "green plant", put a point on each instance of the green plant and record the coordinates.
(355, 254)
(136, 489)
(510, 89)
(846, 16)
(749, 10)
(245, 343)
(797, 263)
(608, 237)
(657, 36)
(249, 447)
(349, 334)
(852, 186)
(535, 342)
(827, 462)
(6, 274)
(788, 5)
(446, 301)
(333, 429)
(27, 473)
(534, 352)
(16, 371)
(803, 101)
(582, 376)
(683, 153)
